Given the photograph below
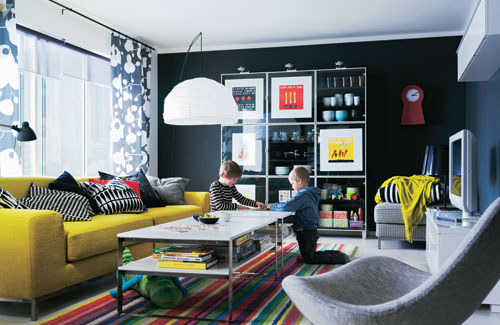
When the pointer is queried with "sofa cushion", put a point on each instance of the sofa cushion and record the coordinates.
(66, 182)
(170, 190)
(172, 213)
(71, 206)
(132, 184)
(148, 194)
(386, 212)
(114, 197)
(8, 201)
(85, 239)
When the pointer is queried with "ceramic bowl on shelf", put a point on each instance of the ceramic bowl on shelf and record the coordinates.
(328, 116)
(341, 115)
(282, 170)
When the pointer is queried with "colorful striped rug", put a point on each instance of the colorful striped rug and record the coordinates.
(254, 302)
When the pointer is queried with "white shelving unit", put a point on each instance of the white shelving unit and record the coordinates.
(304, 150)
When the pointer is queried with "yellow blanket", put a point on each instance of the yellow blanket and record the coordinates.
(414, 194)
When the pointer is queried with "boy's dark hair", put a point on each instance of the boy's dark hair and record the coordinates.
(231, 169)
(300, 172)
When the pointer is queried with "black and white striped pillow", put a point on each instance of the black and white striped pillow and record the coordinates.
(389, 193)
(8, 201)
(71, 206)
(114, 197)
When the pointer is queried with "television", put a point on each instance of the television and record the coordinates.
(463, 172)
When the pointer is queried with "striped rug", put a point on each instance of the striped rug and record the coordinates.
(254, 302)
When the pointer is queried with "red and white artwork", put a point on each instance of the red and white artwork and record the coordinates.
(291, 97)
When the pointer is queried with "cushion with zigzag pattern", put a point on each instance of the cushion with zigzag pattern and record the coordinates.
(114, 197)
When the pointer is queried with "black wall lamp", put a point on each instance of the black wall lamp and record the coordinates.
(24, 133)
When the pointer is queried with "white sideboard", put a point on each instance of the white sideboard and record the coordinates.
(442, 239)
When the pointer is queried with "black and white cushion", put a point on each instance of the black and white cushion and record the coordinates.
(8, 201)
(389, 193)
(71, 206)
(114, 197)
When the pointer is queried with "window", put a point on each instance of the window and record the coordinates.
(65, 95)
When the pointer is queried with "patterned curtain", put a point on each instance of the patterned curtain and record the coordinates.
(9, 90)
(130, 125)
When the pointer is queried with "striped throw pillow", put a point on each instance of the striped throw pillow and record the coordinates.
(71, 206)
(114, 197)
(8, 201)
(389, 193)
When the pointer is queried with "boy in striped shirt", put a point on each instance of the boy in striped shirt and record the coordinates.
(222, 191)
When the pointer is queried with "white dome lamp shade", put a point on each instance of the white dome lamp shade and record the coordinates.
(199, 101)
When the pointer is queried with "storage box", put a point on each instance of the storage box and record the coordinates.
(326, 214)
(325, 223)
(340, 219)
(355, 224)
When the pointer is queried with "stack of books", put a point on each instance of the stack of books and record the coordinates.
(243, 247)
(186, 256)
(270, 230)
(262, 241)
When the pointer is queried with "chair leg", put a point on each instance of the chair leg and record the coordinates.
(379, 243)
(34, 310)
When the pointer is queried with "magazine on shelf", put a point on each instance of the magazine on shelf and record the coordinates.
(187, 264)
(184, 258)
(181, 250)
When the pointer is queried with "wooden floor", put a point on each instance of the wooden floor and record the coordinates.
(413, 254)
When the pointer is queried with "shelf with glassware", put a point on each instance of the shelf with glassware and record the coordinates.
(291, 132)
(341, 95)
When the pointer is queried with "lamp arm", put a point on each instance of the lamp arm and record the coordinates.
(14, 127)
(189, 49)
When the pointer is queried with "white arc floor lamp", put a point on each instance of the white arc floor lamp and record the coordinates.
(199, 101)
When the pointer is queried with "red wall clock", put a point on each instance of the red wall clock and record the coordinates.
(412, 97)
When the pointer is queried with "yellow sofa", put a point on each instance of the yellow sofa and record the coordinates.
(40, 254)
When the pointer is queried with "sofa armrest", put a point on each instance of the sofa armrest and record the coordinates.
(201, 199)
(32, 250)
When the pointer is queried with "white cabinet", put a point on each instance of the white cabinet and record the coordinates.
(442, 240)
(479, 49)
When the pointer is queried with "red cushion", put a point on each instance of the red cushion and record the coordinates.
(132, 184)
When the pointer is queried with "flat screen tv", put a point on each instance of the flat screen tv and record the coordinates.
(463, 172)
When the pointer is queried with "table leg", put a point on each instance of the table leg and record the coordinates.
(282, 224)
(230, 285)
(276, 248)
(119, 279)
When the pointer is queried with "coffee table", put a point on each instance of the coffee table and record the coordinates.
(225, 233)
(280, 215)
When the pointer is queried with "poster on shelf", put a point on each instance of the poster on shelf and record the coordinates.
(283, 195)
(247, 190)
(341, 150)
(249, 97)
(291, 97)
(257, 167)
(244, 149)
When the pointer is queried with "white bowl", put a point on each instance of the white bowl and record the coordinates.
(328, 116)
(282, 170)
(223, 215)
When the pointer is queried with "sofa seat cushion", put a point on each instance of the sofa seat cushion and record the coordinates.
(386, 212)
(172, 213)
(85, 239)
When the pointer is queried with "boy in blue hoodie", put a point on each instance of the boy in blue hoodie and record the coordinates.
(305, 205)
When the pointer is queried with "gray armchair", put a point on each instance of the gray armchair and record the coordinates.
(382, 290)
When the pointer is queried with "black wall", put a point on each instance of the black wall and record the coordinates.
(483, 120)
(194, 152)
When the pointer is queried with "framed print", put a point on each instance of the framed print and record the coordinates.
(249, 97)
(244, 149)
(341, 149)
(247, 190)
(291, 97)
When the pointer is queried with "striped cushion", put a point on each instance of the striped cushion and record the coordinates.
(8, 201)
(389, 193)
(114, 197)
(71, 206)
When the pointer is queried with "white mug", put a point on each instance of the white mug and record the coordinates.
(340, 99)
(326, 101)
(349, 99)
(357, 100)
(333, 101)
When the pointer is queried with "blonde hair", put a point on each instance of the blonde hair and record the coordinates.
(300, 172)
(231, 169)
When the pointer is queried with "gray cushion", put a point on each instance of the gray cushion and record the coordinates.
(170, 190)
(386, 212)
(388, 230)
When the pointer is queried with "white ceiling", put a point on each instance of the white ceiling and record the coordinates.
(169, 26)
